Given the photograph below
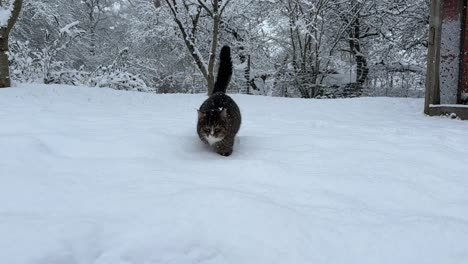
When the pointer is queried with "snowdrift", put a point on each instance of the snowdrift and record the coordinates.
(100, 176)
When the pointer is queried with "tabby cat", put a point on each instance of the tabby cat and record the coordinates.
(219, 117)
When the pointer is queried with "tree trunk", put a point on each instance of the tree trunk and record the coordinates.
(4, 33)
(4, 64)
(211, 83)
(362, 69)
(214, 45)
(247, 75)
(92, 44)
(188, 35)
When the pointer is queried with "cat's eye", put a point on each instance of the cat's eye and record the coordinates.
(207, 129)
(217, 130)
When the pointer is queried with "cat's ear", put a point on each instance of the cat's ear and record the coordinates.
(201, 114)
(223, 113)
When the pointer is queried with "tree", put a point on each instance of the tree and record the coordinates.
(397, 56)
(243, 25)
(307, 39)
(310, 48)
(353, 14)
(187, 14)
(9, 12)
(100, 22)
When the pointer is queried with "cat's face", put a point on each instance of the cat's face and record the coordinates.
(212, 125)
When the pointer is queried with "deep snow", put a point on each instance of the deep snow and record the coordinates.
(100, 176)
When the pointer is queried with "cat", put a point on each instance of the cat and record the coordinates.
(219, 117)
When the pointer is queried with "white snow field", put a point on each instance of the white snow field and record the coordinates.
(98, 176)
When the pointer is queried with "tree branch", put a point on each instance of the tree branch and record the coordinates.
(205, 7)
(14, 15)
(188, 42)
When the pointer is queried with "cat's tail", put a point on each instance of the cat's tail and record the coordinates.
(224, 71)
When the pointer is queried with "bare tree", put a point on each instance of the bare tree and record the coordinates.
(306, 33)
(187, 15)
(357, 16)
(11, 10)
(313, 48)
(95, 14)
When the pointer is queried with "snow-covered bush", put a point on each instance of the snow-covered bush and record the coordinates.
(25, 65)
(66, 76)
(117, 77)
(45, 64)
(55, 70)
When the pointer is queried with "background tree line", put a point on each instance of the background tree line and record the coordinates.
(289, 48)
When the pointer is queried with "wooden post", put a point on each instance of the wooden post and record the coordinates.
(463, 82)
(433, 56)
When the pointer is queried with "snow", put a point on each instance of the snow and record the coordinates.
(5, 14)
(101, 176)
(449, 105)
(67, 28)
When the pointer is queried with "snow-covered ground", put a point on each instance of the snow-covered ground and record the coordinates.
(98, 176)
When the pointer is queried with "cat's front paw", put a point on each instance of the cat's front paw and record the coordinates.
(225, 154)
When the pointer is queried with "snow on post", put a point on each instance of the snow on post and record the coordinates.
(5, 14)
